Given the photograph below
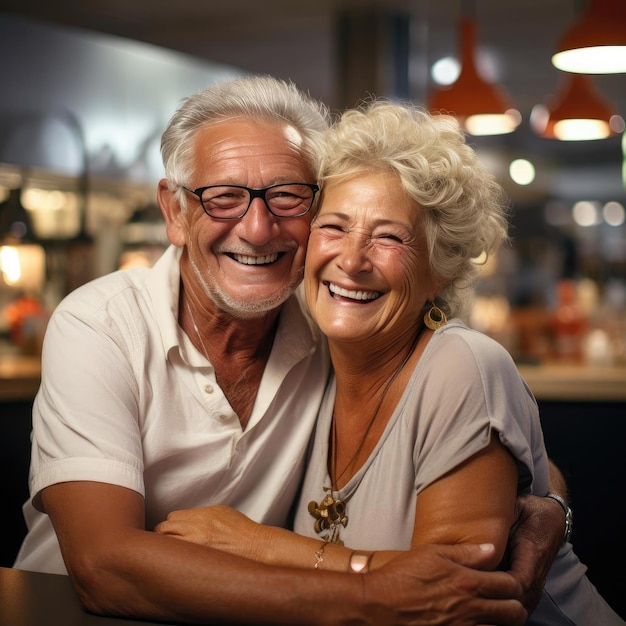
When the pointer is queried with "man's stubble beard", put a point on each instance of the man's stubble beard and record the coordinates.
(246, 310)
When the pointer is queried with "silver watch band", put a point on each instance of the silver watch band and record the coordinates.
(569, 519)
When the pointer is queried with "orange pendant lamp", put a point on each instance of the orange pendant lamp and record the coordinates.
(578, 114)
(481, 107)
(596, 44)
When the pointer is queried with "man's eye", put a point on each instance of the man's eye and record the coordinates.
(225, 197)
(285, 194)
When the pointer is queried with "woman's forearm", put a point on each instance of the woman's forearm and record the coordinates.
(288, 549)
(228, 530)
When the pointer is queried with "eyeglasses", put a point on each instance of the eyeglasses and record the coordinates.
(231, 202)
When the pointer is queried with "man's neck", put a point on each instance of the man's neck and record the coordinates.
(238, 349)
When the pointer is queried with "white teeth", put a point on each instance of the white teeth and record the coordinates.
(255, 260)
(353, 295)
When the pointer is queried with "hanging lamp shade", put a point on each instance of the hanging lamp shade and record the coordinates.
(596, 44)
(578, 114)
(481, 107)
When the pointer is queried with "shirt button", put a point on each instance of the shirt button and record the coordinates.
(208, 389)
(224, 417)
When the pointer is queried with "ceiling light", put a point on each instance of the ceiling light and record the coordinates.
(480, 107)
(578, 114)
(522, 171)
(613, 213)
(445, 71)
(586, 213)
(596, 44)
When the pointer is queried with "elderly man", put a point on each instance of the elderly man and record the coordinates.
(198, 382)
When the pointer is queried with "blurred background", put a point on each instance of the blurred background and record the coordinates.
(87, 89)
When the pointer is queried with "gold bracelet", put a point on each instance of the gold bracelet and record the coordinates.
(360, 562)
(319, 556)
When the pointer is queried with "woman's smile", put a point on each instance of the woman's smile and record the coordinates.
(352, 294)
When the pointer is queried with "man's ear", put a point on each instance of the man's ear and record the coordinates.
(173, 214)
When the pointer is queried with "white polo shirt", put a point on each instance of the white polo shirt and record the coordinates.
(126, 399)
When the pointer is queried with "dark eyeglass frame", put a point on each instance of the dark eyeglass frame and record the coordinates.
(254, 193)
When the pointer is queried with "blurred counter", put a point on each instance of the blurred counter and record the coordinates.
(19, 377)
(19, 380)
(576, 382)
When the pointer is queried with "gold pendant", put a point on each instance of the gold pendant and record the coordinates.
(330, 515)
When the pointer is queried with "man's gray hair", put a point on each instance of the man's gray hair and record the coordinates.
(262, 97)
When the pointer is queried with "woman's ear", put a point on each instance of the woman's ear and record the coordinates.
(437, 287)
(172, 213)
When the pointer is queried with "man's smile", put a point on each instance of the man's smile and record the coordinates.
(247, 259)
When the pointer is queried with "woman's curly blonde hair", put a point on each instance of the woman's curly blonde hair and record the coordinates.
(464, 208)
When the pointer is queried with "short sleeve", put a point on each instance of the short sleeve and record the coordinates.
(472, 387)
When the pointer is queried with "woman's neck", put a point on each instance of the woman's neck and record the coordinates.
(363, 369)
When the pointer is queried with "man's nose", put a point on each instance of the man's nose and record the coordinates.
(259, 223)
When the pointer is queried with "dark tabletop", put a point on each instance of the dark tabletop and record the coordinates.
(34, 599)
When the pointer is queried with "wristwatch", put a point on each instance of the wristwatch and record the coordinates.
(569, 518)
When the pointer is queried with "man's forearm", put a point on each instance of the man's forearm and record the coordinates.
(167, 579)
(557, 481)
(171, 580)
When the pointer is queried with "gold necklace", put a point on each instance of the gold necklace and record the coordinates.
(330, 512)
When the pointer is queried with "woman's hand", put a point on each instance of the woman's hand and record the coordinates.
(218, 527)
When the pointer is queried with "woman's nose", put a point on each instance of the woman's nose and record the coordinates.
(355, 254)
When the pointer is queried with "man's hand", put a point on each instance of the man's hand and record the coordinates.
(440, 585)
(535, 540)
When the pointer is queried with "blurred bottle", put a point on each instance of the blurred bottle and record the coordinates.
(569, 324)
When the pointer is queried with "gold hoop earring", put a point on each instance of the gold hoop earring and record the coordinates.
(435, 318)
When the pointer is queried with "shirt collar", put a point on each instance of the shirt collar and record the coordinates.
(297, 333)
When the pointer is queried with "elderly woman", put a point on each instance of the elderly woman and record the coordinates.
(427, 433)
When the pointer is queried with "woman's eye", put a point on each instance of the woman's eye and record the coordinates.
(390, 238)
